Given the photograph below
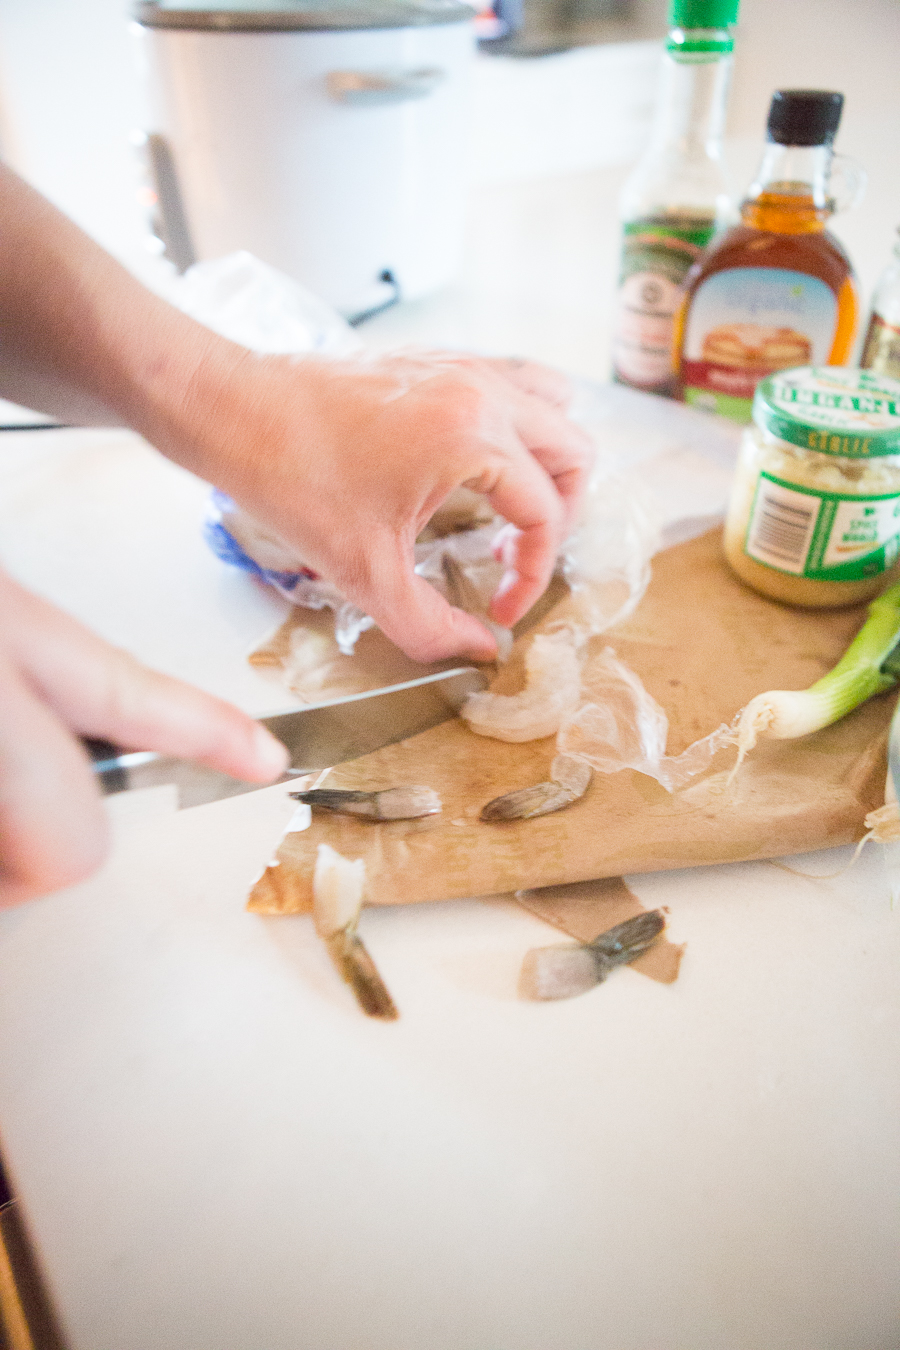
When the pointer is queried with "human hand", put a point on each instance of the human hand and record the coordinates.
(347, 461)
(59, 681)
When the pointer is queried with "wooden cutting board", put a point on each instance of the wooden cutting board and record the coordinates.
(704, 645)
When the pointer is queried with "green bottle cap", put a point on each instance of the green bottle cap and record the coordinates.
(836, 410)
(703, 13)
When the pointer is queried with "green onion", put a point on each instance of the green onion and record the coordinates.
(870, 665)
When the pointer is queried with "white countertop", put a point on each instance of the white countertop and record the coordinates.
(216, 1151)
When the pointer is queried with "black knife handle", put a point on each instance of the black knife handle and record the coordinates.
(104, 755)
(106, 760)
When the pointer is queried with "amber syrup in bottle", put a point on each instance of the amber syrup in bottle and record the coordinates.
(777, 290)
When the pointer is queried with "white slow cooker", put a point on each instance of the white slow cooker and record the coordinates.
(328, 137)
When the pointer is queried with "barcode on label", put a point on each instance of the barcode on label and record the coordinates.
(782, 526)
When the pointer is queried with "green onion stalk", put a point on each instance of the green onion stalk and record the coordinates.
(870, 665)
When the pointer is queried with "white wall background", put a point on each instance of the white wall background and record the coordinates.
(850, 45)
(69, 98)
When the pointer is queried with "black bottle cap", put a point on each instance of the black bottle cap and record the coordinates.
(804, 116)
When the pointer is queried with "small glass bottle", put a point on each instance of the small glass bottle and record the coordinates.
(814, 515)
(676, 196)
(881, 351)
(777, 290)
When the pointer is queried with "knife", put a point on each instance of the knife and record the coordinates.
(318, 736)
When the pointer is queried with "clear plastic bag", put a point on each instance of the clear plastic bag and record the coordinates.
(243, 299)
(238, 539)
(622, 727)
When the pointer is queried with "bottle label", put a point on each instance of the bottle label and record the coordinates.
(747, 322)
(881, 352)
(827, 536)
(656, 257)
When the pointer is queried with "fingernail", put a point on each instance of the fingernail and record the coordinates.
(472, 639)
(271, 755)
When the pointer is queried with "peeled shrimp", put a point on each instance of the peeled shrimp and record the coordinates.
(552, 690)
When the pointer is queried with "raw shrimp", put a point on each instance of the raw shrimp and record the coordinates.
(552, 691)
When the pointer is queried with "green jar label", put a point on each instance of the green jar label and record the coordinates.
(836, 410)
(657, 253)
(672, 242)
(826, 536)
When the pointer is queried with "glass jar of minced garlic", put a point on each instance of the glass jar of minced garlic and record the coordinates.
(814, 516)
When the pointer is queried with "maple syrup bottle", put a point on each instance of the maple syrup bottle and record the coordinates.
(778, 290)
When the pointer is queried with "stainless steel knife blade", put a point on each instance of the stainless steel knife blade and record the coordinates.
(318, 736)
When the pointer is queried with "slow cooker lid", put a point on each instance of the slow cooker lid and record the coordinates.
(287, 15)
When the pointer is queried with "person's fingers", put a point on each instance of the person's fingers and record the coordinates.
(101, 691)
(524, 494)
(563, 449)
(417, 617)
(138, 708)
(53, 830)
(531, 377)
(544, 382)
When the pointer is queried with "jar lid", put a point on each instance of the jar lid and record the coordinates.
(836, 410)
(282, 16)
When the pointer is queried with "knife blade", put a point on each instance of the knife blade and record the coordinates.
(317, 736)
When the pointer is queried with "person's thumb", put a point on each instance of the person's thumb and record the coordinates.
(419, 620)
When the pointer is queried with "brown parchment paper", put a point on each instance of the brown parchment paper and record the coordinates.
(704, 645)
(303, 654)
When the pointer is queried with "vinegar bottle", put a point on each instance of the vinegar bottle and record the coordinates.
(676, 195)
(778, 289)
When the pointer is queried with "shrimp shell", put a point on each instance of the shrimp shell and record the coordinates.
(563, 972)
(338, 890)
(356, 967)
(527, 803)
(400, 803)
(571, 778)
(464, 594)
(619, 945)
